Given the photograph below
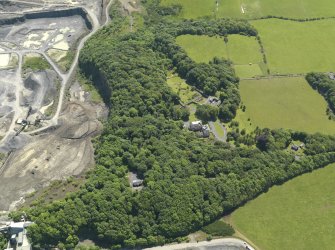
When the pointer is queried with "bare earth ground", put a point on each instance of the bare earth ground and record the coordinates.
(218, 244)
(64, 152)
(59, 146)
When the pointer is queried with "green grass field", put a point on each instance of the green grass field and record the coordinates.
(193, 8)
(255, 8)
(247, 71)
(285, 103)
(297, 215)
(203, 48)
(298, 47)
(242, 50)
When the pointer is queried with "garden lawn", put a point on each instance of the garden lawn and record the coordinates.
(255, 8)
(180, 87)
(298, 47)
(296, 215)
(285, 103)
(219, 129)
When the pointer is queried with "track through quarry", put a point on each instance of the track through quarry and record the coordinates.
(61, 146)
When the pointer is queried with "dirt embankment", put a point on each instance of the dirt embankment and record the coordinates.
(55, 155)
(49, 14)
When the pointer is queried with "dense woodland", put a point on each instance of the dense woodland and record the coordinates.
(188, 182)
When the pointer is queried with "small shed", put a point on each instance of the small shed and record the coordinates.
(295, 147)
(205, 131)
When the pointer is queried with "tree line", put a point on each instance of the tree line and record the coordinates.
(325, 86)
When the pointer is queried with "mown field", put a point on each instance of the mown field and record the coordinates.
(242, 50)
(285, 103)
(255, 8)
(193, 8)
(297, 215)
(203, 48)
(298, 47)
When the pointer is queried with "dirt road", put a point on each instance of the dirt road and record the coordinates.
(217, 244)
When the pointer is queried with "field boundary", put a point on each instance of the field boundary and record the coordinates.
(301, 20)
(275, 76)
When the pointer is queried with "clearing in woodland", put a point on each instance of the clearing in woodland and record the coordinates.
(180, 87)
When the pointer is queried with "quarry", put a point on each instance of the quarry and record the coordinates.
(47, 119)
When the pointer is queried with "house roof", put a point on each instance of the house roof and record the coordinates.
(196, 123)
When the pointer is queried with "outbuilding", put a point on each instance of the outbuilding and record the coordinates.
(205, 131)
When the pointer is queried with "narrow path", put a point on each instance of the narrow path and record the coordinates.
(219, 243)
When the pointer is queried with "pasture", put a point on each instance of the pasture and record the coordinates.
(247, 71)
(298, 47)
(202, 49)
(296, 215)
(193, 8)
(243, 51)
(285, 103)
(254, 8)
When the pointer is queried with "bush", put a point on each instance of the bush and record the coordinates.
(3, 241)
(219, 228)
(35, 63)
(206, 113)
